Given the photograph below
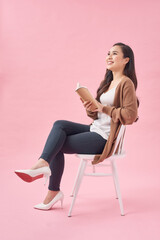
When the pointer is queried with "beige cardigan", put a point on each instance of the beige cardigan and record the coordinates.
(124, 111)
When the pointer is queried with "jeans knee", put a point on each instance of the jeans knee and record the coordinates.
(58, 123)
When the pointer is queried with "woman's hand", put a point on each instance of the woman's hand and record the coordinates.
(99, 108)
(88, 106)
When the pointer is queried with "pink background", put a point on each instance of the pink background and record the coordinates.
(46, 48)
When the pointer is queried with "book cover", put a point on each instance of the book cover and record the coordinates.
(85, 94)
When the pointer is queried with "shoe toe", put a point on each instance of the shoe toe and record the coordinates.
(41, 206)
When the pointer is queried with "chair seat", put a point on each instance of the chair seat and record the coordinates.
(91, 156)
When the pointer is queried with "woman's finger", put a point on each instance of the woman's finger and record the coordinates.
(95, 110)
(89, 107)
(87, 103)
(82, 100)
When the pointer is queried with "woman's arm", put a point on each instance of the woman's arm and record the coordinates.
(127, 114)
(88, 106)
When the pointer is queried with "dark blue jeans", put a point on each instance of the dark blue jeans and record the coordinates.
(68, 137)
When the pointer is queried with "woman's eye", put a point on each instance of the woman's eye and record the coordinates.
(113, 53)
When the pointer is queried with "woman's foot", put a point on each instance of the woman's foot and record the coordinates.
(50, 196)
(40, 163)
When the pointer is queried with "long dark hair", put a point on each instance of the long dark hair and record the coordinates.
(129, 71)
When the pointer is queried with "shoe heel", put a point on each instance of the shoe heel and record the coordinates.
(62, 202)
(46, 178)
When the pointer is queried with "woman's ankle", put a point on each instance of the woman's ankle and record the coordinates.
(41, 163)
(50, 195)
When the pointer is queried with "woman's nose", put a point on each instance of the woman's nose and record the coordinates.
(109, 57)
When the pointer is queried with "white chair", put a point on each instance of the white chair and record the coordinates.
(85, 161)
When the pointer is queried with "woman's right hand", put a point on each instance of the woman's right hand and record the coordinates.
(87, 105)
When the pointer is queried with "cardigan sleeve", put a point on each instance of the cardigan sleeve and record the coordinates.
(127, 114)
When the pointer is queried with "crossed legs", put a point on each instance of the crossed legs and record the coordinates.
(66, 137)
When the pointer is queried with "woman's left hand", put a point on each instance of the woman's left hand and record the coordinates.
(99, 108)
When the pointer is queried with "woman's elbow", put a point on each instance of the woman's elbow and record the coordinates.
(130, 119)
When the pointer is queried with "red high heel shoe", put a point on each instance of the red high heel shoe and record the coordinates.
(30, 175)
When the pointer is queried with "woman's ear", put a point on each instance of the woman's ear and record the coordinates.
(127, 60)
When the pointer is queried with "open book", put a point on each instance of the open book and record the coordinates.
(84, 93)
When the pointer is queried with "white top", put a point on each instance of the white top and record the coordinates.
(102, 124)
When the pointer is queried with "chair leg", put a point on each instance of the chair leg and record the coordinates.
(77, 184)
(77, 177)
(116, 181)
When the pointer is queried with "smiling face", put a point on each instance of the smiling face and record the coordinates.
(115, 60)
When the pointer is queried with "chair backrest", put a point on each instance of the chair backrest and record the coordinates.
(119, 141)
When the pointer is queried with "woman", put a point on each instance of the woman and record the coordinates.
(117, 104)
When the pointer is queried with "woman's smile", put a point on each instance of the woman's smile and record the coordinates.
(109, 62)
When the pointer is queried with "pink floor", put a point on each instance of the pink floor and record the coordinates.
(96, 213)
